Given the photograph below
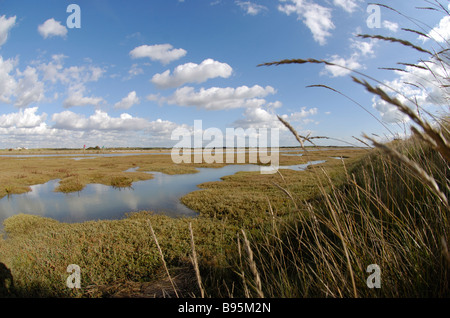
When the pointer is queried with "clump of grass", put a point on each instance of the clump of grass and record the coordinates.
(121, 182)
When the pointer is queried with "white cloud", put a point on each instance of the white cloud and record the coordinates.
(250, 7)
(264, 117)
(26, 118)
(75, 78)
(55, 71)
(302, 115)
(440, 33)
(76, 97)
(5, 25)
(348, 5)
(7, 81)
(128, 101)
(360, 49)
(51, 27)
(392, 26)
(316, 17)
(217, 98)
(134, 71)
(192, 73)
(363, 47)
(258, 118)
(24, 86)
(389, 113)
(100, 120)
(29, 89)
(164, 53)
(28, 128)
(345, 65)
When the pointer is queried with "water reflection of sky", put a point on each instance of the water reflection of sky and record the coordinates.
(161, 195)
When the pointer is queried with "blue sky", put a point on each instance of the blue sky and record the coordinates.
(137, 70)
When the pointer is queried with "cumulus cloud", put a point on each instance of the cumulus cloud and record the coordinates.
(192, 73)
(24, 86)
(164, 53)
(441, 32)
(364, 48)
(251, 8)
(392, 26)
(360, 50)
(345, 65)
(264, 117)
(5, 25)
(316, 17)
(135, 70)
(7, 81)
(76, 97)
(26, 118)
(302, 115)
(51, 28)
(100, 120)
(75, 78)
(55, 71)
(29, 89)
(28, 128)
(128, 101)
(217, 98)
(389, 113)
(348, 5)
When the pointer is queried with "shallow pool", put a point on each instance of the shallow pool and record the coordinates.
(161, 195)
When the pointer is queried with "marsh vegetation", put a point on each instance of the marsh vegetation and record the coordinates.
(309, 233)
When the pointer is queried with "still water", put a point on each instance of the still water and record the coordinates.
(161, 195)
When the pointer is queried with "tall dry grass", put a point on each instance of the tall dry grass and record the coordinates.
(392, 211)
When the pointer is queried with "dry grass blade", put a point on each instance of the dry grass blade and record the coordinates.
(242, 274)
(162, 257)
(195, 263)
(395, 40)
(296, 61)
(392, 69)
(301, 139)
(416, 32)
(253, 267)
(288, 126)
(425, 177)
(363, 142)
(426, 8)
(287, 193)
(413, 65)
